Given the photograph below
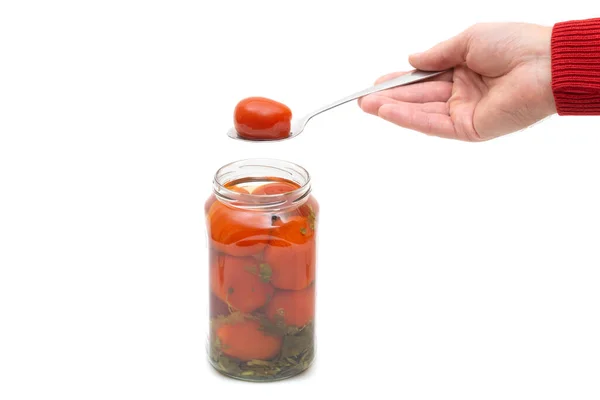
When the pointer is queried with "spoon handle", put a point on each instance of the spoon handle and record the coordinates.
(411, 77)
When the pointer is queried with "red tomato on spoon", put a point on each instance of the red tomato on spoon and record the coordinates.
(259, 118)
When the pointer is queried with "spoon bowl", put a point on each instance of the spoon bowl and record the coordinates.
(296, 128)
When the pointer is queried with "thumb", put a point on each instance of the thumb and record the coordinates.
(444, 55)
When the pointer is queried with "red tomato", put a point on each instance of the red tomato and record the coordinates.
(295, 307)
(291, 254)
(238, 281)
(246, 341)
(260, 118)
(275, 188)
(237, 232)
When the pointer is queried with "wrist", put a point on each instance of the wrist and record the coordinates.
(544, 72)
(537, 54)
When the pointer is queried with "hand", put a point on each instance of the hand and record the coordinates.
(500, 83)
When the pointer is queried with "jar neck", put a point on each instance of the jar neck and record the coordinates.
(262, 169)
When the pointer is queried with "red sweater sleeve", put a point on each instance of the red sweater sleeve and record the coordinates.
(575, 50)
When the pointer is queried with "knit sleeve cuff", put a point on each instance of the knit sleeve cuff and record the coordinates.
(575, 49)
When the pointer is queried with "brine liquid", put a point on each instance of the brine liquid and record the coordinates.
(262, 284)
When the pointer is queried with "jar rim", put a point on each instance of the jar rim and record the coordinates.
(261, 168)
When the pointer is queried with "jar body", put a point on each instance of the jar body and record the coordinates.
(262, 273)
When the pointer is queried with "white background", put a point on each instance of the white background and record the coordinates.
(447, 269)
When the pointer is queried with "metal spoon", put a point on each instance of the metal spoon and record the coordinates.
(299, 124)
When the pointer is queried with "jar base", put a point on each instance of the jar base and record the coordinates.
(258, 378)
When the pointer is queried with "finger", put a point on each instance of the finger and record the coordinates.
(422, 92)
(437, 107)
(444, 55)
(437, 96)
(371, 103)
(415, 119)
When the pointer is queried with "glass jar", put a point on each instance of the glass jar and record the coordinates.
(261, 222)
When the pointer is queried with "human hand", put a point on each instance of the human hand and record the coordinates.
(500, 83)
